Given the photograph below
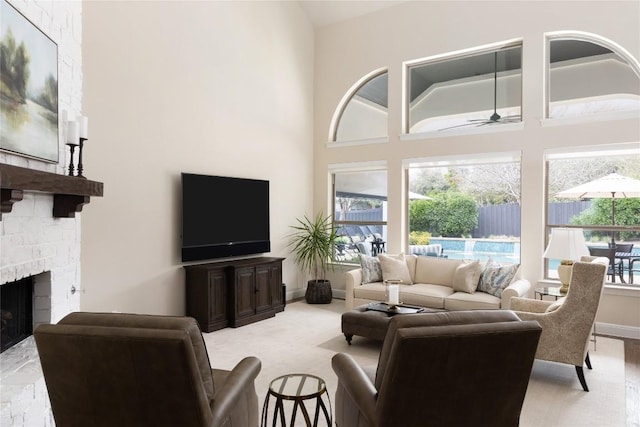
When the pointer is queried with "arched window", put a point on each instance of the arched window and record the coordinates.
(362, 113)
(589, 75)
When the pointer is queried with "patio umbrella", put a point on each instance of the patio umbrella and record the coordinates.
(416, 196)
(611, 187)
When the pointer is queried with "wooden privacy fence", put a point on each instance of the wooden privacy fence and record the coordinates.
(494, 220)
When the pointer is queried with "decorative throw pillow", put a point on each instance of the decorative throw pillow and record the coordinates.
(466, 276)
(495, 279)
(394, 267)
(371, 271)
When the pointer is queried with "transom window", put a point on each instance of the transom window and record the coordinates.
(465, 91)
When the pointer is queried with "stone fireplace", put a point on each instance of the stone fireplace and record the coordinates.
(46, 249)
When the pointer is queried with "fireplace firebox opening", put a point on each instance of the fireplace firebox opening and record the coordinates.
(16, 304)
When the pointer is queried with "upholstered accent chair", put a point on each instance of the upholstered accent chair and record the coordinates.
(567, 323)
(459, 368)
(109, 369)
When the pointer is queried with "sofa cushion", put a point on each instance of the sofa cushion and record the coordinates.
(494, 279)
(370, 291)
(411, 265)
(475, 301)
(436, 271)
(371, 271)
(425, 295)
(394, 267)
(466, 276)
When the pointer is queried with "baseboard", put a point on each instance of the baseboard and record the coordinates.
(297, 294)
(621, 331)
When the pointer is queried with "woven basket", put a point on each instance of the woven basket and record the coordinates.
(318, 292)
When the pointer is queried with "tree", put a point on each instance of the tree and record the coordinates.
(627, 213)
(49, 96)
(14, 69)
(491, 184)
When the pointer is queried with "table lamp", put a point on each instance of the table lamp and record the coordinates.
(567, 245)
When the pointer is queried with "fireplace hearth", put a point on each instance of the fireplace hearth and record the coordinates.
(16, 305)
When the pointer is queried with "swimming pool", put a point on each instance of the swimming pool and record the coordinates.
(503, 251)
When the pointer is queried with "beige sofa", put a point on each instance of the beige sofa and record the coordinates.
(433, 286)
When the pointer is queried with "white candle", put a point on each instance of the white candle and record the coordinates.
(394, 294)
(83, 124)
(72, 133)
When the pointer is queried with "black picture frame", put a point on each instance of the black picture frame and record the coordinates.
(28, 88)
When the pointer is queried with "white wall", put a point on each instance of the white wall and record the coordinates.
(221, 88)
(348, 50)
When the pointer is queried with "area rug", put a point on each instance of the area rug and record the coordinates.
(304, 337)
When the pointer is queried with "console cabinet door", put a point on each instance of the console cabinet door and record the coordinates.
(263, 288)
(245, 292)
(275, 280)
(207, 296)
(217, 299)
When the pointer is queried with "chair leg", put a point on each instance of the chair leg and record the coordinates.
(588, 361)
(583, 382)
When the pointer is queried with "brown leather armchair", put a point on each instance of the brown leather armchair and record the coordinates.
(458, 368)
(104, 369)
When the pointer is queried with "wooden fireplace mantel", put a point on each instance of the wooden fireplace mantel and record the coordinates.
(70, 193)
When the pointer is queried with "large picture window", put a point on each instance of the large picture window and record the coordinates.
(598, 191)
(466, 208)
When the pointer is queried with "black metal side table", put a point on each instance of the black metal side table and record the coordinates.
(297, 388)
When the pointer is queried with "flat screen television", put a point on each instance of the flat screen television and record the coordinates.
(224, 217)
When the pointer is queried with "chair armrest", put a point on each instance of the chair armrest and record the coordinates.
(530, 305)
(353, 278)
(518, 288)
(242, 376)
(546, 321)
(357, 384)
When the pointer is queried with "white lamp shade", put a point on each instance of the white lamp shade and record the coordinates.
(566, 243)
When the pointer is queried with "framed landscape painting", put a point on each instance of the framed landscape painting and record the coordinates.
(28, 87)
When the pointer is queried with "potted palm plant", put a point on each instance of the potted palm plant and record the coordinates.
(312, 244)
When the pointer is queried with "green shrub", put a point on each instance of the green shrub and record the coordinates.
(447, 214)
(419, 238)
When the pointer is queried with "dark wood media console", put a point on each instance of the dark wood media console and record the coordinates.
(234, 293)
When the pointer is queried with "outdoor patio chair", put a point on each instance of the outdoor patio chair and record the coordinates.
(625, 263)
(615, 265)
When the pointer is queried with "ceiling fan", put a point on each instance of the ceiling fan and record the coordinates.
(495, 118)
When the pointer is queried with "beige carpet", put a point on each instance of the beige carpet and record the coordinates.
(304, 337)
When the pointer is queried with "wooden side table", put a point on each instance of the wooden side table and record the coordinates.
(297, 388)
